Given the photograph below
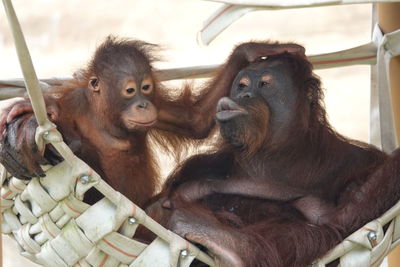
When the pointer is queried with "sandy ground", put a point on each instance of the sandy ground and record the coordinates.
(63, 34)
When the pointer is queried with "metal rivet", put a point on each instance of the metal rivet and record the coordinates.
(372, 236)
(184, 253)
(85, 179)
(46, 133)
(131, 220)
(386, 46)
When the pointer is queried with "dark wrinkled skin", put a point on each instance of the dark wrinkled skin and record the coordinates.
(13, 160)
(19, 153)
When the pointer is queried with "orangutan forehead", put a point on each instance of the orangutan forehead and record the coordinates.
(266, 64)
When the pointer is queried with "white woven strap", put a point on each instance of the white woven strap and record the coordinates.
(369, 245)
(48, 219)
(364, 54)
(382, 129)
(220, 20)
(232, 10)
(28, 71)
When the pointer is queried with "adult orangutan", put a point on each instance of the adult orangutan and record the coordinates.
(282, 187)
(108, 113)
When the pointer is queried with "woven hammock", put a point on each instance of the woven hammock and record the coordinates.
(54, 227)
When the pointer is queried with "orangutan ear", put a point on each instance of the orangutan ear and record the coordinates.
(94, 84)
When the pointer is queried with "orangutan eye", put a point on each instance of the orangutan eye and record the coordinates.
(147, 89)
(242, 85)
(130, 90)
(243, 82)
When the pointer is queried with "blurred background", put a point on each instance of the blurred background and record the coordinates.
(62, 36)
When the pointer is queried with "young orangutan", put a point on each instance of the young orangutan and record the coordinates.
(107, 115)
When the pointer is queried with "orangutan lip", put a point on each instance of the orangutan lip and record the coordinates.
(143, 123)
(227, 115)
(228, 109)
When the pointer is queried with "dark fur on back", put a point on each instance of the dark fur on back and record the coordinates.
(348, 175)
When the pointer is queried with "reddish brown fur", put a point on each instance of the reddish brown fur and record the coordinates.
(125, 162)
(356, 179)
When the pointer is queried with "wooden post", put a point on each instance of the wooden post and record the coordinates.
(1, 242)
(389, 21)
